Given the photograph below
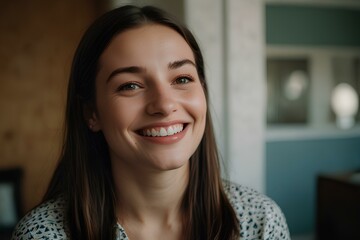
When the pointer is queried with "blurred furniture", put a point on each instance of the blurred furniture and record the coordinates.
(338, 206)
(10, 200)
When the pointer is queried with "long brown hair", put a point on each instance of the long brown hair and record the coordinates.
(83, 176)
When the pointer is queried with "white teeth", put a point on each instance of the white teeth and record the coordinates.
(162, 132)
(170, 131)
(153, 133)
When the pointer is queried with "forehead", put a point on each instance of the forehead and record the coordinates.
(147, 41)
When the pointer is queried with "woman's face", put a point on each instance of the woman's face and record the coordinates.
(150, 104)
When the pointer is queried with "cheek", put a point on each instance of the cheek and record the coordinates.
(118, 113)
(117, 120)
(198, 105)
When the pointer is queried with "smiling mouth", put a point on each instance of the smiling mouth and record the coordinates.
(162, 131)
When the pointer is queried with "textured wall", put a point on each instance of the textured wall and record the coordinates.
(246, 91)
(37, 42)
(231, 36)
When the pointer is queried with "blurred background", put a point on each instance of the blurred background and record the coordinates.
(284, 80)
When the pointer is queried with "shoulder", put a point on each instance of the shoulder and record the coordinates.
(44, 222)
(259, 216)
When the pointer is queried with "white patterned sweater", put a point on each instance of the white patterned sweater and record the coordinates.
(259, 218)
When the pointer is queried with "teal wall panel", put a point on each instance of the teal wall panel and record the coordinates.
(291, 171)
(312, 25)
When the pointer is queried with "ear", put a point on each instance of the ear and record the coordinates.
(91, 118)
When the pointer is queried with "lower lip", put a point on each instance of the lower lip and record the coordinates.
(167, 139)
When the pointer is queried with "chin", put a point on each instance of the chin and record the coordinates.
(168, 165)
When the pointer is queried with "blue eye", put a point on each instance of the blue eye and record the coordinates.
(128, 87)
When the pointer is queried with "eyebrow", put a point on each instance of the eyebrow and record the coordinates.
(131, 69)
(137, 69)
(180, 63)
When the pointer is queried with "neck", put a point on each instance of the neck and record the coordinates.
(149, 196)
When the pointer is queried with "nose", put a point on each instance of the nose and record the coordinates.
(161, 101)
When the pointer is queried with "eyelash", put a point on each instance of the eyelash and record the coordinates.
(131, 86)
(127, 86)
(188, 78)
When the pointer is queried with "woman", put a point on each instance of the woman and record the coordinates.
(139, 159)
